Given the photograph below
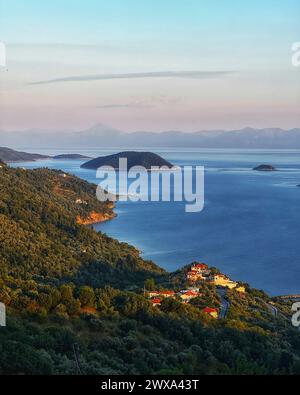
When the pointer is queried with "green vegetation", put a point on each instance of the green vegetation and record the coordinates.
(71, 292)
(144, 159)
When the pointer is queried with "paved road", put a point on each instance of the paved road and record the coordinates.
(225, 305)
(273, 309)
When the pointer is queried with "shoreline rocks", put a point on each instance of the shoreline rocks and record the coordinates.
(95, 218)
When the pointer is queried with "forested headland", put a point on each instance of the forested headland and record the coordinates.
(72, 293)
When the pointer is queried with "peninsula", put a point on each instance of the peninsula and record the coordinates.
(9, 155)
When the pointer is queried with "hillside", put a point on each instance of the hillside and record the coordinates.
(10, 155)
(144, 159)
(69, 288)
(40, 236)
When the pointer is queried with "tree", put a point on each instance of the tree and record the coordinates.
(87, 296)
(150, 284)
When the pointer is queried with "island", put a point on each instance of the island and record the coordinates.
(9, 155)
(145, 159)
(265, 168)
(71, 157)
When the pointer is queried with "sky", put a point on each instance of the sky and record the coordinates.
(150, 65)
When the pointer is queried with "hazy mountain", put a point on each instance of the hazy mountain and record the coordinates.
(105, 136)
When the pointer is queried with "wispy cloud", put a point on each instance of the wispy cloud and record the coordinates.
(157, 74)
(148, 102)
(129, 105)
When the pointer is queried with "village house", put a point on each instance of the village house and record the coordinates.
(79, 201)
(220, 280)
(167, 294)
(201, 268)
(198, 272)
(153, 294)
(187, 296)
(212, 312)
(164, 294)
(156, 302)
(194, 276)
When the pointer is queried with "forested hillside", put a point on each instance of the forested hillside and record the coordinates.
(72, 293)
(42, 242)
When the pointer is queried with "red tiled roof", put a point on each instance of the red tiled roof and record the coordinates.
(191, 293)
(201, 266)
(167, 293)
(156, 301)
(161, 293)
(209, 310)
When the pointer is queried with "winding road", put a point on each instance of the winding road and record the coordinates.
(225, 305)
(273, 309)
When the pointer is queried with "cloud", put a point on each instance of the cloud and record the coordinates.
(156, 74)
(149, 102)
(129, 105)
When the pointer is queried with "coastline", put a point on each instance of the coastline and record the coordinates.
(97, 218)
(172, 257)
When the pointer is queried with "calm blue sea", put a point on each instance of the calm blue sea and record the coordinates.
(250, 227)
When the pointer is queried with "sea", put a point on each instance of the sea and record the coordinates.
(249, 227)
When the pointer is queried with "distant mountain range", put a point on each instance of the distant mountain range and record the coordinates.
(105, 136)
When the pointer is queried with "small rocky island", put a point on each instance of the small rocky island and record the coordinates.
(265, 168)
(145, 159)
(71, 157)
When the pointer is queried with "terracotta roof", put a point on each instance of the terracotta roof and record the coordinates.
(201, 266)
(156, 301)
(191, 293)
(167, 293)
(210, 310)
